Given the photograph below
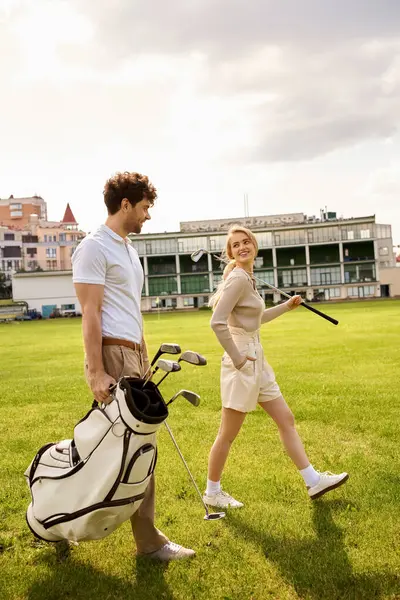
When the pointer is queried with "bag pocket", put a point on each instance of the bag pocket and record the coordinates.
(141, 464)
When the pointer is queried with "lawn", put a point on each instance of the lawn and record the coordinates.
(343, 386)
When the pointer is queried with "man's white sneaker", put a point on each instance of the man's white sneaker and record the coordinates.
(327, 482)
(222, 500)
(170, 551)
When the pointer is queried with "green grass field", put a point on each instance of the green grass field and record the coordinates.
(343, 386)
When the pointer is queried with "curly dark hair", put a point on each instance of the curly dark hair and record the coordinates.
(132, 186)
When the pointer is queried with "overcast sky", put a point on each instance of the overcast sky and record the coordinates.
(294, 102)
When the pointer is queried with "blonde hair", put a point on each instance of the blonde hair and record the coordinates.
(230, 262)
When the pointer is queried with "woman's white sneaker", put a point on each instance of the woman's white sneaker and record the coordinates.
(222, 500)
(327, 482)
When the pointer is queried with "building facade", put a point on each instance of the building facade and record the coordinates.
(321, 259)
(41, 245)
(16, 212)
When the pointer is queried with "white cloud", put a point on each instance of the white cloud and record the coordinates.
(211, 98)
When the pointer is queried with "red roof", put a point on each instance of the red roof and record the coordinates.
(69, 216)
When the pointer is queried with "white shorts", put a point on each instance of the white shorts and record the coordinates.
(242, 389)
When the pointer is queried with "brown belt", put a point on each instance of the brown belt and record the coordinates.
(107, 341)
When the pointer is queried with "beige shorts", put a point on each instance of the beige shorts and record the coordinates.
(242, 389)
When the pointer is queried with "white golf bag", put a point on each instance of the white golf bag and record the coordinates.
(84, 488)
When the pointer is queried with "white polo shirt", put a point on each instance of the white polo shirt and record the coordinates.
(106, 258)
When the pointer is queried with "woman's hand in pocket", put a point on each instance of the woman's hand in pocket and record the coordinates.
(241, 365)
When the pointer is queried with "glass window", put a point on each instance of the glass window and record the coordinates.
(9, 237)
(358, 273)
(292, 277)
(264, 239)
(334, 292)
(264, 276)
(45, 238)
(217, 242)
(365, 234)
(191, 244)
(51, 252)
(139, 245)
(159, 246)
(384, 251)
(325, 275)
(361, 291)
(291, 237)
(195, 284)
(160, 265)
(217, 278)
(162, 286)
(323, 234)
(383, 231)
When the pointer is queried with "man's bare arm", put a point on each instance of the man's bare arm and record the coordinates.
(90, 297)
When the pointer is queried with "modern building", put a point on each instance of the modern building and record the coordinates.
(325, 258)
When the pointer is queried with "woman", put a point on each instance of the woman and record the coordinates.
(246, 377)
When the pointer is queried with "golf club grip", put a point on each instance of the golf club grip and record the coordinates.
(321, 314)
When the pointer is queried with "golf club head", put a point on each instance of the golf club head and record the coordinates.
(193, 358)
(168, 366)
(191, 397)
(214, 516)
(197, 254)
(166, 349)
(170, 348)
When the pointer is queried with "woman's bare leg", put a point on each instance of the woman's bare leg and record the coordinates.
(283, 417)
(231, 422)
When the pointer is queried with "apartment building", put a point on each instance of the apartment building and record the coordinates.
(16, 212)
(41, 245)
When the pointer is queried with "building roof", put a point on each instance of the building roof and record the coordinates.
(69, 216)
(26, 200)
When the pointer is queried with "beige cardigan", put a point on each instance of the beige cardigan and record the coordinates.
(240, 305)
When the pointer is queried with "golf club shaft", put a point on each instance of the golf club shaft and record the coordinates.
(304, 304)
(149, 375)
(162, 378)
(186, 467)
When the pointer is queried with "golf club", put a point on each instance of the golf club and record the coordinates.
(195, 256)
(191, 397)
(165, 348)
(193, 358)
(168, 366)
(208, 516)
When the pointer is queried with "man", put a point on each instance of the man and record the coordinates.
(108, 279)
